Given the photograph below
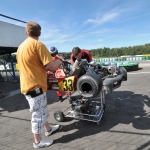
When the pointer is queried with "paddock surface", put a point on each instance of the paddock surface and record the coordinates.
(125, 124)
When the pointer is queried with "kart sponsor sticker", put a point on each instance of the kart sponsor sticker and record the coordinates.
(67, 84)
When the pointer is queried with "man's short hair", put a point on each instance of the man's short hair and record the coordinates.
(76, 51)
(33, 29)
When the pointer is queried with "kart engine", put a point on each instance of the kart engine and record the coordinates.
(80, 106)
(103, 71)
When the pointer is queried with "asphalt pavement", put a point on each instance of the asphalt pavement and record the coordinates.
(125, 124)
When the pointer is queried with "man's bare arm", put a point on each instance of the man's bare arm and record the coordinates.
(54, 65)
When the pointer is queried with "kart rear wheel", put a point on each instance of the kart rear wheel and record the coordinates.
(59, 116)
(89, 85)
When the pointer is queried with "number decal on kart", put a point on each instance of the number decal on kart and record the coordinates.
(68, 85)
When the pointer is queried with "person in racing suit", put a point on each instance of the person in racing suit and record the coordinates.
(80, 53)
(54, 53)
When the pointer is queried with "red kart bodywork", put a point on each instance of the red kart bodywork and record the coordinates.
(60, 80)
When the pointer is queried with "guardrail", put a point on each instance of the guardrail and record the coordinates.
(122, 59)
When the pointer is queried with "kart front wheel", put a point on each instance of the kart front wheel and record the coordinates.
(59, 116)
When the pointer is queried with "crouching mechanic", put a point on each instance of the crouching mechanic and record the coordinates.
(54, 53)
(80, 53)
(34, 60)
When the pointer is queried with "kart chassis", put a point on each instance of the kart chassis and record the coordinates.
(94, 112)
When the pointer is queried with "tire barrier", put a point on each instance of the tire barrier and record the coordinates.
(115, 59)
(129, 66)
(146, 58)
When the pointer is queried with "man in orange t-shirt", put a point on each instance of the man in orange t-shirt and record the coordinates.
(34, 60)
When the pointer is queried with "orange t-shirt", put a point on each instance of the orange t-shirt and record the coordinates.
(32, 56)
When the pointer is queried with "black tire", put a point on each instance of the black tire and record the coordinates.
(89, 85)
(59, 116)
(104, 107)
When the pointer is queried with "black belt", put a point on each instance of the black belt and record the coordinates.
(35, 92)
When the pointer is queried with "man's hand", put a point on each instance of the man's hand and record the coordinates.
(50, 72)
(60, 57)
(54, 65)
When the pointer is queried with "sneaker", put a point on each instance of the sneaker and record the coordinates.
(43, 143)
(53, 128)
(60, 99)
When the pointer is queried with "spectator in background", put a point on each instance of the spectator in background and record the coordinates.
(34, 60)
(80, 53)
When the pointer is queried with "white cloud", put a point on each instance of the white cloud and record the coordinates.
(100, 31)
(138, 16)
(100, 19)
(50, 33)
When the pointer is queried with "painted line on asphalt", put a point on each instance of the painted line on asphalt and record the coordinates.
(11, 94)
(138, 72)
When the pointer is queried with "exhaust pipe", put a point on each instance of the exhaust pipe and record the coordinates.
(111, 84)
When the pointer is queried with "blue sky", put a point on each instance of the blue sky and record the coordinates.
(88, 24)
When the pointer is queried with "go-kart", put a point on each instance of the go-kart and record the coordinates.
(92, 81)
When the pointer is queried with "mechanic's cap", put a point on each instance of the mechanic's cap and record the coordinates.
(53, 50)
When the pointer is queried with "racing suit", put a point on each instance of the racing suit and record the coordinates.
(85, 55)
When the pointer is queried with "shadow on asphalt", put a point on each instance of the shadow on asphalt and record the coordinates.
(139, 69)
(123, 107)
(18, 102)
(15, 103)
(127, 107)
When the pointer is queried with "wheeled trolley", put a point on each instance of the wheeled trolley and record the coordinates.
(84, 109)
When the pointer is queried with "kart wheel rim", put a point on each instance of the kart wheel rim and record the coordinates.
(57, 116)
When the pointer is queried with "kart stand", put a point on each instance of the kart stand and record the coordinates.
(84, 109)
